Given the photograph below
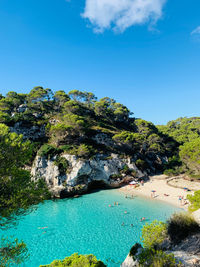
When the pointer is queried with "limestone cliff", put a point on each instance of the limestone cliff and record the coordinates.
(81, 173)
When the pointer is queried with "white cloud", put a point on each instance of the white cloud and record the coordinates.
(121, 14)
(196, 31)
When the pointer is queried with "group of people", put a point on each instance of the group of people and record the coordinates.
(115, 204)
(182, 200)
(123, 224)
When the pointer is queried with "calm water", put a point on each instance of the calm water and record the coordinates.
(87, 225)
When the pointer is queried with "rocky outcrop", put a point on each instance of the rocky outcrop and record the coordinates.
(187, 252)
(81, 172)
(31, 132)
(130, 262)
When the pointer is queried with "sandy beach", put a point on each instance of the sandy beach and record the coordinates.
(163, 192)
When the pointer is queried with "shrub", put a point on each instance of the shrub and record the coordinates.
(66, 148)
(141, 164)
(194, 200)
(171, 172)
(85, 151)
(62, 164)
(126, 170)
(76, 260)
(48, 150)
(180, 225)
(134, 250)
(12, 252)
(157, 258)
(153, 234)
(190, 155)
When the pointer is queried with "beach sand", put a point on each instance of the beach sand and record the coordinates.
(159, 184)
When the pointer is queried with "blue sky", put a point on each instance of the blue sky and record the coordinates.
(146, 56)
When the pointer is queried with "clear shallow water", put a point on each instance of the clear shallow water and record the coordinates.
(87, 225)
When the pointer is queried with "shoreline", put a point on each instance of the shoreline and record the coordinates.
(163, 192)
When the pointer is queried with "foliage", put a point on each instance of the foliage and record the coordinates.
(190, 155)
(62, 164)
(153, 234)
(60, 98)
(180, 225)
(112, 110)
(194, 200)
(183, 129)
(128, 137)
(75, 122)
(134, 250)
(17, 191)
(84, 150)
(157, 258)
(172, 172)
(12, 252)
(48, 150)
(76, 260)
(141, 164)
(18, 194)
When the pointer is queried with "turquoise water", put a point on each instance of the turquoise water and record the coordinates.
(87, 225)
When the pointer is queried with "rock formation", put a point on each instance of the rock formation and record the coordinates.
(81, 172)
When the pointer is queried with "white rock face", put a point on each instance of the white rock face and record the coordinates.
(187, 259)
(43, 168)
(80, 171)
(129, 262)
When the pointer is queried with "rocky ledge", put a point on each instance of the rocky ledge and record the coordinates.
(187, 252)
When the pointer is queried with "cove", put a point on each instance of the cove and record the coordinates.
(87, 225)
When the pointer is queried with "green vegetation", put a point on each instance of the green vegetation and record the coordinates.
(62, 164)
(157, 258)
(73, 120)
(48, 150)
(153, 237)
(17, 191)
(153, 234)
(180, 226)
(18, 194)
(190, 155)
(12, 252)
(186, 131)
(194, 200)
(76, 260)
(74, 123)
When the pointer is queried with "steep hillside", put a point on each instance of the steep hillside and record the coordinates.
(75, 137)
(186, 159)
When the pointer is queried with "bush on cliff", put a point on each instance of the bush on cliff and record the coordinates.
(181, 225)
(153, 234)
(194, 200)
(157, 258)
(76, 260)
